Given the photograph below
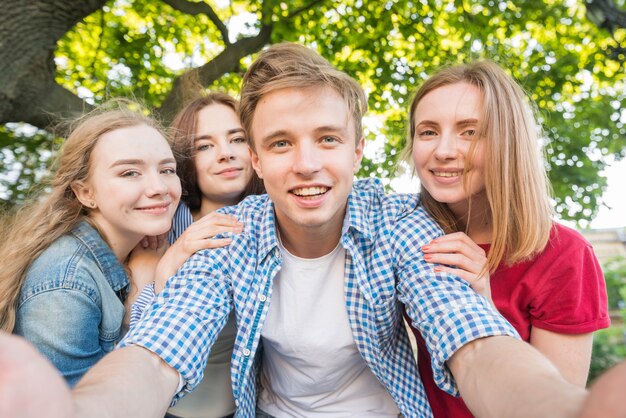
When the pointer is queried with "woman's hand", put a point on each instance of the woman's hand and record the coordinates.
(457, 254)
(198, 236)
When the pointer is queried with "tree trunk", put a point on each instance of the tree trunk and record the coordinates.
(29, 31)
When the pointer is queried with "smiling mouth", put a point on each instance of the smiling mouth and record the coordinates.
(157, 209)
(447, 173)
(229, 171)
(310, 192)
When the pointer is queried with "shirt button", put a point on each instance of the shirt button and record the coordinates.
(262, 298)
(236, 402)
(246, 352)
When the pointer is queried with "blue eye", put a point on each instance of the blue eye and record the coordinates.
(204, 147)
(238, 140)
(130, 173)
(279, 144)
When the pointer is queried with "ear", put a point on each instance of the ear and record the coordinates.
(84, 193)
(254, 159)
(358, 154)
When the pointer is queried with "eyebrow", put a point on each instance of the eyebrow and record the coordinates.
(464, 122)
(282, 133)
(229, 132)
(140, 162)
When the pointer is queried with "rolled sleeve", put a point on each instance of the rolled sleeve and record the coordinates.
(443, 307)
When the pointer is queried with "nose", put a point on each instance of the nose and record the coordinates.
(446, 147)
(307, 159)
(226, 153)
(156, 185)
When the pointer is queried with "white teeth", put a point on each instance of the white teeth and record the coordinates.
(447, 174)
(310, 191)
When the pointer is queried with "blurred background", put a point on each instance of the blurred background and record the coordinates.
(59, 58)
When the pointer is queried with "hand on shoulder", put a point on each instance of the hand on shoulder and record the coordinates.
(457, 254)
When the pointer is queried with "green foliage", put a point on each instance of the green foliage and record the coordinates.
(26, 155)
(137, 48)
(609, 345)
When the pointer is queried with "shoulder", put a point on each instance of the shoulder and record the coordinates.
(369, 196)
(564, 239)
(66, 264)
(253, 207)
(398, 214)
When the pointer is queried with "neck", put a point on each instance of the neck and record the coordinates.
(311, 242)
(207, 206)
(313, 246)
(474, 220)
(120, 245)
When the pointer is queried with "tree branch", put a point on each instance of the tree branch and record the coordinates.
(226, 61)
(201, 8)
(303, 9)
(605, 14)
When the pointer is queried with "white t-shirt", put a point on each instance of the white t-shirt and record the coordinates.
(311, 365)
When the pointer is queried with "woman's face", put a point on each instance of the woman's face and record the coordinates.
(221, 157)
(446, 122)
(132, 188)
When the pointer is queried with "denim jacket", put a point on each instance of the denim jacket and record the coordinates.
(70, 306)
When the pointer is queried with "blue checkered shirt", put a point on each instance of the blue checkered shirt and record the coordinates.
(385, 267)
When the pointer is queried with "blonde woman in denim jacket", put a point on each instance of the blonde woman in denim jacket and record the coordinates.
(62, 277)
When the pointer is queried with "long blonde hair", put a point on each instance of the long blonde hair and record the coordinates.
(516, 183)
(39, 223)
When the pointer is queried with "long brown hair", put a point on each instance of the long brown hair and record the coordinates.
(44, 219)
(516, 183)
(183, 131)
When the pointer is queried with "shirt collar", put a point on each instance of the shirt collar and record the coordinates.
(356, 215)
(103, 254)
(360, 199)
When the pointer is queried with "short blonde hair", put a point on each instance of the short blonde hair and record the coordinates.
(289, 65)
(516, 183)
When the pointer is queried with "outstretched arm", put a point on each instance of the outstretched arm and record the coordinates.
(129, 382)
(504, 377)
(606, 397)
(30, 387)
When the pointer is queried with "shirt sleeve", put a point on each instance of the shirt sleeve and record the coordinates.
(184, 320)
(443, 307)
(144, 300)
(570, 291)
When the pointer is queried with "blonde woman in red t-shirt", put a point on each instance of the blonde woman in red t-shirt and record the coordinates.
(475, 146)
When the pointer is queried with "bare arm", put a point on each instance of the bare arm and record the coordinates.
(129, 382)
(503, 377)
(571, 354)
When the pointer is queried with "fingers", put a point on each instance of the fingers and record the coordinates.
(457, 242)
(472, 265)
(153, 242)
(215, 223)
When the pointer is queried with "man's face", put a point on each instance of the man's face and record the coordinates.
(306, 154)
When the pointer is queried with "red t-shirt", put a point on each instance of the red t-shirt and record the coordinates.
(560, 290)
